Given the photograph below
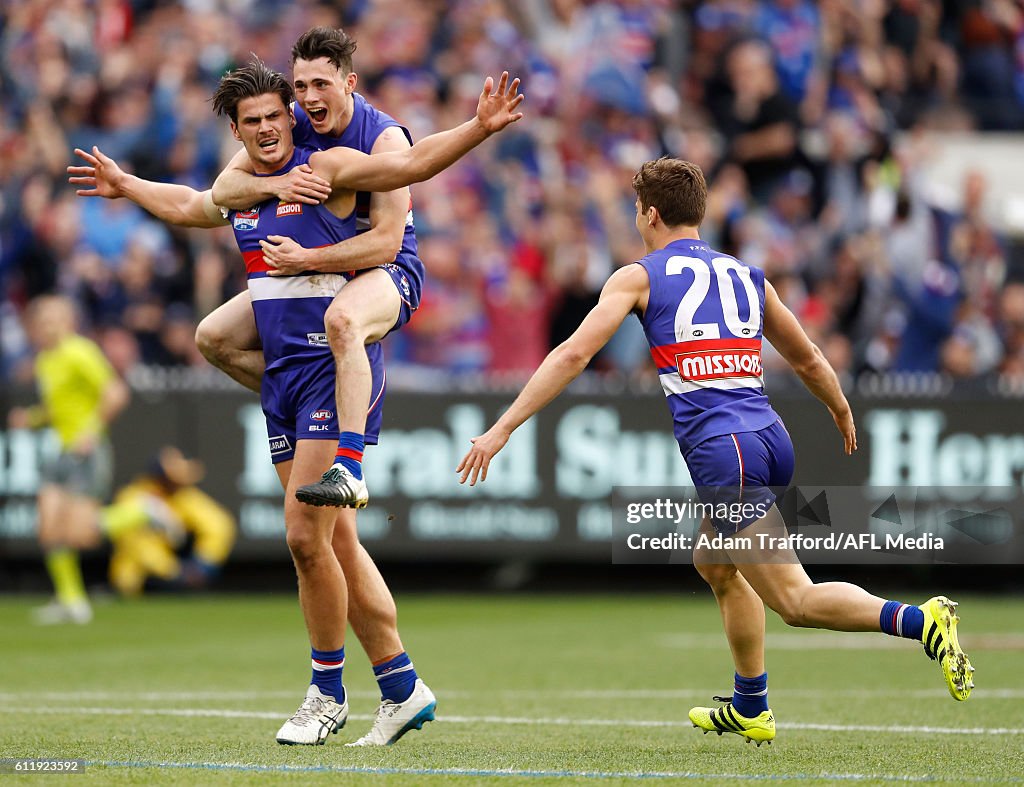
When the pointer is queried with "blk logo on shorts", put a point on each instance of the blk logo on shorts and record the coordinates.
(246, 219)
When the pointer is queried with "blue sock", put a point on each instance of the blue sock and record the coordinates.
(327, 666)
(396, 677)
(750, 695)
(902, 620)
(350, 453)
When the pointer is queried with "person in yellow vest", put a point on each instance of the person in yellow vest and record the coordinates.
(81, 395)
(152, 552)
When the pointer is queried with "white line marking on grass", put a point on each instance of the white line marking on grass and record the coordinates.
(535, 774)
(517, 720)
(165, 696)
(982, 693)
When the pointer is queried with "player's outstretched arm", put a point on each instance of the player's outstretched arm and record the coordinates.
(624, 292)
(238, 188)
(167, 201)
(350, 169)
(787, 336)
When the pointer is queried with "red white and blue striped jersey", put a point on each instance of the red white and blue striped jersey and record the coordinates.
(704, 321)
(290, 309)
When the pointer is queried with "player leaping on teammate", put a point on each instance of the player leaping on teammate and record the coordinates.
(694, 301)
(298, 381)
(381, 299)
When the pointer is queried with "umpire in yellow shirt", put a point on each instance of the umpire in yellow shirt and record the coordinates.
(80, 395)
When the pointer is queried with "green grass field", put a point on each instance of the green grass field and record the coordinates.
(531, 690)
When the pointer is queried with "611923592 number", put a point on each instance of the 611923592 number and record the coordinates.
(41, 765)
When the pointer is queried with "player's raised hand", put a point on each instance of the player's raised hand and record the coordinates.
(102, 178)
(497, 110)
(475, 463)
(284, 255)
(301, 185)
(846, 427)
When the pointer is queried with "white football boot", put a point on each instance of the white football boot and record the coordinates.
(394, 719)
(317, 717)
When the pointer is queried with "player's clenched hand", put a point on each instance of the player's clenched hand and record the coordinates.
(301, 185)
(477, 460)
(497, 110)
(284, 255)
(846, 427)
(102, 177)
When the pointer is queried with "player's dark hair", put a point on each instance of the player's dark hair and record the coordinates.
(253, 79)
(329, 42)
(676, 188)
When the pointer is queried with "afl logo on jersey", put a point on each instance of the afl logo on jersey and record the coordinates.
(246, 219)
(289, 209)
(321, 415)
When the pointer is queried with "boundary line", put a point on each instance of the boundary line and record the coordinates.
(529, 773)
(519, 721)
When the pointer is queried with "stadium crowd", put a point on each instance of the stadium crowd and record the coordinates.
(805, 117)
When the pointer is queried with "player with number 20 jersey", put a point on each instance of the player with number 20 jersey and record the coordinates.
(704, 314)
(704, 321)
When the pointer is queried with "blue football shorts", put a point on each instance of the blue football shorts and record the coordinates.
(742, 474)
(298, 402)
(410, 287)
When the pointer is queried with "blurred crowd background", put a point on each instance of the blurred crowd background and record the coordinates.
(809, 119)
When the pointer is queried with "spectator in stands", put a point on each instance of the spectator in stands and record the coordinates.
(751, 89)
(758, 120)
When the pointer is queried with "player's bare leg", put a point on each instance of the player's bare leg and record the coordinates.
(323, 597)
(371, 608)
(362, 313)
(779, 579)
(741, 608)
(227, 338)
(406, 702)
(743, 618)
(777, 576)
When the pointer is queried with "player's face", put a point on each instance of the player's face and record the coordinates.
(265, 128)
(325, 94)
